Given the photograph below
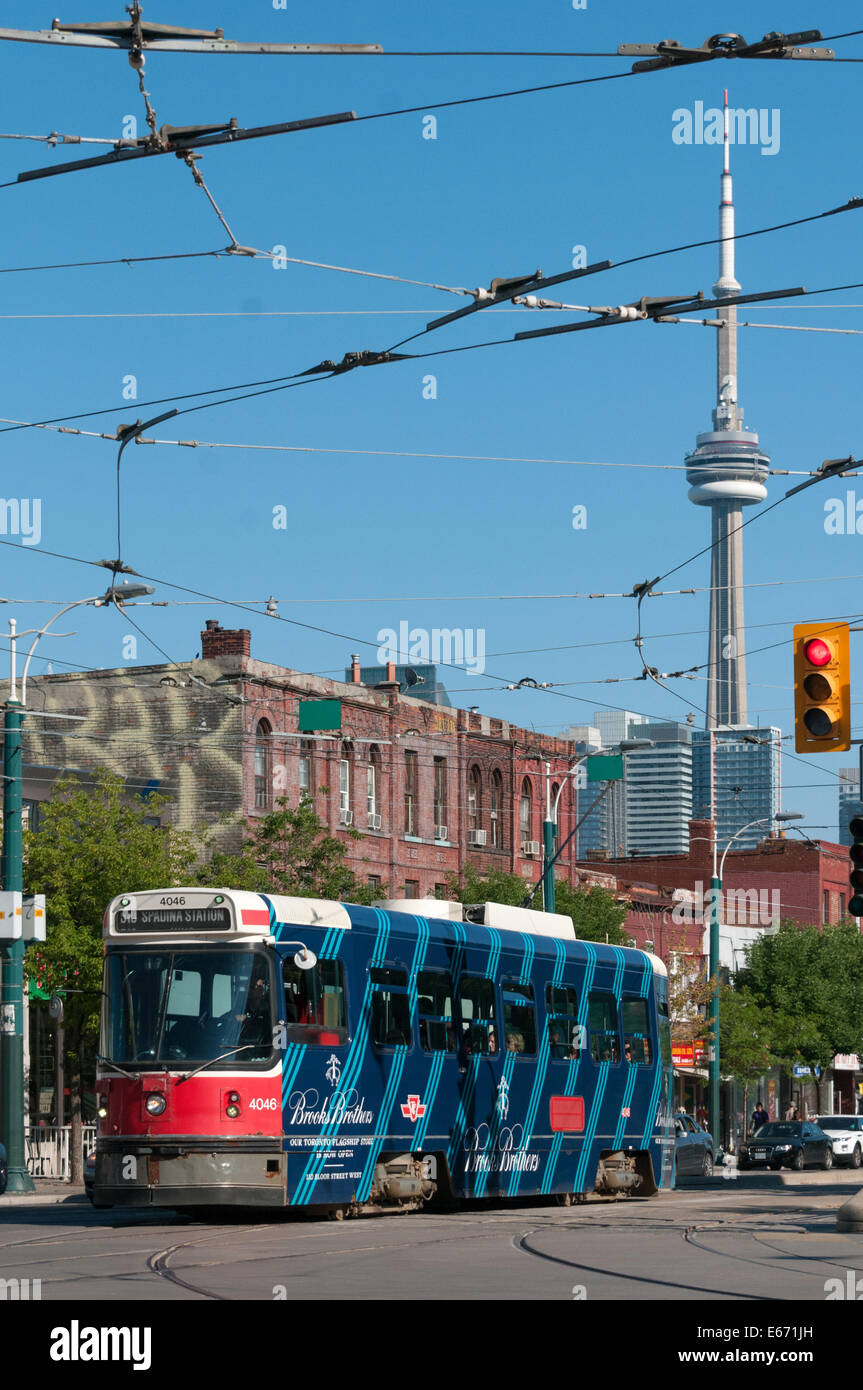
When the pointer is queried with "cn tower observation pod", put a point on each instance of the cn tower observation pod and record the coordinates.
(727, 466)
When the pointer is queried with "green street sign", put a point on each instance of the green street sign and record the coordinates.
(608, 768)
(320, 714)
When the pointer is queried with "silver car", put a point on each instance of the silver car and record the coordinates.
(846, 1131)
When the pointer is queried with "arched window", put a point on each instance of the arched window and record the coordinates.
(373, 788)
(495, 810)
(410, 792)
(474, 800)
(525, 810)
(440, 799)
(263, 794)
(345, 813)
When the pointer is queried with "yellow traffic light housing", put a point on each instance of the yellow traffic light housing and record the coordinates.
(822, 688)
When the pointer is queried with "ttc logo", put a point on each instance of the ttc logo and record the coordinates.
(413, 1109)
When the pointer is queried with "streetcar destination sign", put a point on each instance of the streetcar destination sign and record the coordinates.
(169, 919)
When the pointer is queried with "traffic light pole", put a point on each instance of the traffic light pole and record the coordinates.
(12, 963)
(713, 1062)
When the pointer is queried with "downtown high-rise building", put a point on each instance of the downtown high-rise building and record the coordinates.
(850, 804)
(736, 779)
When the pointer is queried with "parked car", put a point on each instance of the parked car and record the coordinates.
(4, 1169)
(846, 1134)
(786, 1143)
(693, 1148)
(90, 1173)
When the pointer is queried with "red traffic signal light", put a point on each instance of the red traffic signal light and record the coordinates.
(822, 690)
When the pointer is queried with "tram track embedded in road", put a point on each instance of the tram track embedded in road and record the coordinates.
(521, 1243)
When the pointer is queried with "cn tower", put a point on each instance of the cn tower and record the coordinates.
(726, 472)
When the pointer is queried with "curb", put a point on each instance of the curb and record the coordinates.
(27, 1199)
(782, 1178)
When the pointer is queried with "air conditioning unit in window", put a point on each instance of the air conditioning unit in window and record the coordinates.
(477, 837)
(440, 832)
(346, 817)
(530, 847)
(374, 820)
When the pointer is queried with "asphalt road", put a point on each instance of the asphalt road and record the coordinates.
(724, 1242)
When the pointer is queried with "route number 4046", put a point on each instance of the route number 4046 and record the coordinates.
(263, 1103)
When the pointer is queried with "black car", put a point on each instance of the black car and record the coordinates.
(786, 1144)
(4, 1170)
(693, 1148)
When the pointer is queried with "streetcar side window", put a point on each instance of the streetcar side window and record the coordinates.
(602, 1017)
(565, 1033)
(434, 1006)
(664, 1033)
(636, 1032)
(519, 1018)
(478, 1018)
(391, 1013)
(315, 1012)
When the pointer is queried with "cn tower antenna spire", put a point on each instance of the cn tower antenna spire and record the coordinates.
(726, 472)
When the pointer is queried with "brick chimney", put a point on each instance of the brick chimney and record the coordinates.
(219, 641)
(355, 670)
(701, 841)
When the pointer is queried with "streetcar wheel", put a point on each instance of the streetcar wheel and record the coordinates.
(564, 1199)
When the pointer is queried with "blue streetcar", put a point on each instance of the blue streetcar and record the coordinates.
(292, 1052)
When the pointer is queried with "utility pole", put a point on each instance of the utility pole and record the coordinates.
(12, 952)
(12, 871)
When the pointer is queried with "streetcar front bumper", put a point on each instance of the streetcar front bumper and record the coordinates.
(189, 1172)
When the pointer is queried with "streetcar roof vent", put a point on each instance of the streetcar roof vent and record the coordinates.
(424, 907)
(524, 919)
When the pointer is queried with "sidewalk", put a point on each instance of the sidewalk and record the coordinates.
(49, 1191)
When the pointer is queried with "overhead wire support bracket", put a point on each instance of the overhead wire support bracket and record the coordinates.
(169, 38)
(224, 134)
(501, 290)
(670, 53)
(367, 358)
(830, 468)
(643, 308)
(650, 307)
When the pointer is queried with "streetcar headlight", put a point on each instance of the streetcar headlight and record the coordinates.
(102, 1108)
(155, 1103)
(232, 1107)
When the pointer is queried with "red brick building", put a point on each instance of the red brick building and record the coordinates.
(415, 790)
(783, 877)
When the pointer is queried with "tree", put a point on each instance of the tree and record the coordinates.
(290, 852)
(91, 844)
(596, 914)
(810, 978)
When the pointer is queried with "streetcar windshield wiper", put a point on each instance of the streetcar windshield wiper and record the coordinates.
(213, 1060)
(106, 1063)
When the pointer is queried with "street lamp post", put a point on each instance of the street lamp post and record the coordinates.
(12, 867)
(549, 825)
(713, 1065)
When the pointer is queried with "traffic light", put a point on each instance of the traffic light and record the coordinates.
(855, 906)
(822, 691)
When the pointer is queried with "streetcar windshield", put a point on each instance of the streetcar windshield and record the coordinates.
(170, 1007)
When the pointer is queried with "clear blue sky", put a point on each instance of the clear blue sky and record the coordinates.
(507, 187)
